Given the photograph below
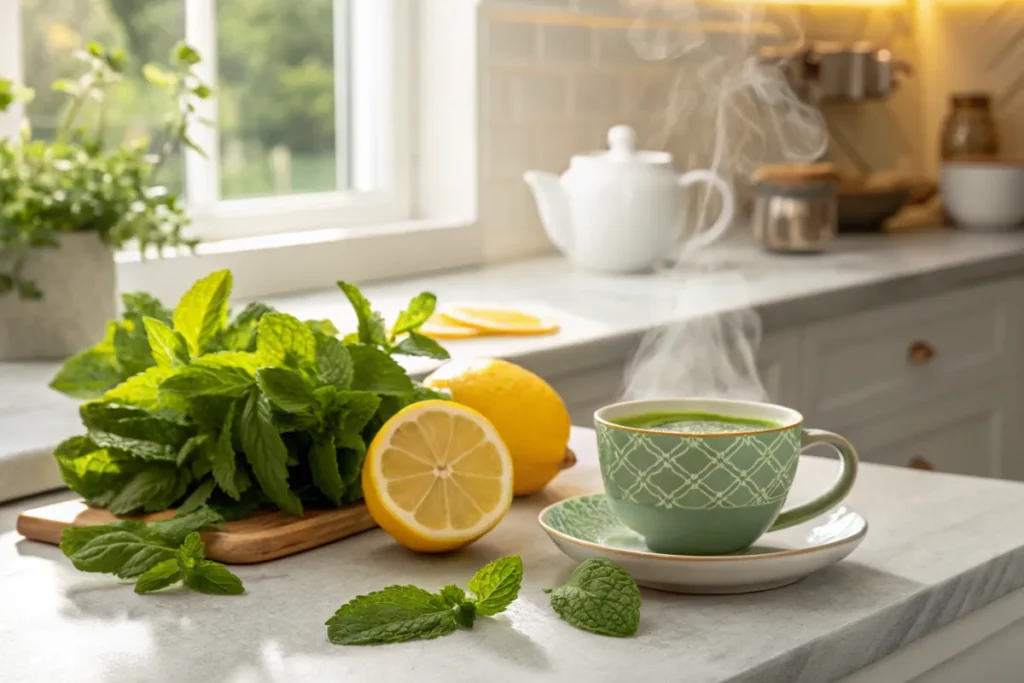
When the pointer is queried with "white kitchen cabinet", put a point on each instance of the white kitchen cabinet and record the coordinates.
(778, 361)
(961, 432)
(881, 361)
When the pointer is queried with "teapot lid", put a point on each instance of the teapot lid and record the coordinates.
(622, 149)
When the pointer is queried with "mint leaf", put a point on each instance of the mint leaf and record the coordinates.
(123, 553)
(465, 614)
(138, 305)
(418, 345)
(223, 463)
(143, 391)
(134, 431)
(87, 374)
(354, 409)
(155, 488)
(600, 597)
(213, 578)
(497, 585)
(206, 379)
(191, 552)
(192, 446)
(168, 347)
(323, 465)
(91, 471)
(203, 311)
(131, 348)
(198, 497)
(453, 595)
(74, 538)
(376, 371)
(371, 324)
(202, 575)
(266, 453)
(174, 531)
(159, 576)
(419, 310)
(282, 340)
(392, 615)
(286, 389)
(240, 334)
(333, 363)
(323, 327)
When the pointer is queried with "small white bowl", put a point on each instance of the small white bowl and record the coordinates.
(983, 195)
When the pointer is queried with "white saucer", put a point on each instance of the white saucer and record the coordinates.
(584, 527)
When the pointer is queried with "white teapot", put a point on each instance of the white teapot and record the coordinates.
(620, 211)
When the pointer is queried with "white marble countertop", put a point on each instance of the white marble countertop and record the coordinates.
(939, 546)
(603, 317)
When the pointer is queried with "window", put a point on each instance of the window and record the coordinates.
(310, 124)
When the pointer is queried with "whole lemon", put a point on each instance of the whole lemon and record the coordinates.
(528, 413)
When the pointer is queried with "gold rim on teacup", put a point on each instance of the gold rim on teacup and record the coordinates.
(724, 402)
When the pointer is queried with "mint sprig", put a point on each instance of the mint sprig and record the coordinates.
(399, 613)
(600, 597)
(157, 555)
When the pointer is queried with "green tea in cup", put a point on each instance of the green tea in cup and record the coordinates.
(709, 476)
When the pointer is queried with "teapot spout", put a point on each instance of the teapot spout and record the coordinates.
(553, 206)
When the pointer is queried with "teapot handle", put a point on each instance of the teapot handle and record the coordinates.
(718, 228)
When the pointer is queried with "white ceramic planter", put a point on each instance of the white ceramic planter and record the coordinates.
(79, 286)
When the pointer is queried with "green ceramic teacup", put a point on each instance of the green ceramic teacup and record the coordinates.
(711, 493)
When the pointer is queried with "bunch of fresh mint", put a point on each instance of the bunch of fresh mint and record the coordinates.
(156, 555)
(196, 407)
(599, 596)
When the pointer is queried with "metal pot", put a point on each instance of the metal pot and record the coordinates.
(795, 207)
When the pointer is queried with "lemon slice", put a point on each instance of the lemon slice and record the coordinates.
(440, 326)
(437, 476)
(498, 320)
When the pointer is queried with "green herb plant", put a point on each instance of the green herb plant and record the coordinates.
(196, 407)
(399, 613)
(600, 597)
(78, 182)
(156, 555)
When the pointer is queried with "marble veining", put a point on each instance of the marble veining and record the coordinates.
(939, 547)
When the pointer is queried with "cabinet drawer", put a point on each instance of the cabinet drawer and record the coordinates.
(961, 434)
(882, 360)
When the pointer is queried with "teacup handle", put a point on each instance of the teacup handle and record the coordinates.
(718, 228)
(839, 489)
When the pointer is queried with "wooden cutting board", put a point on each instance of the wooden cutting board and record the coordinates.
(258, 537)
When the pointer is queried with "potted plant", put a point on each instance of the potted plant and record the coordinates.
(68, 203)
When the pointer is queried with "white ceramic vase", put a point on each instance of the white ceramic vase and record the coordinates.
(79, 286)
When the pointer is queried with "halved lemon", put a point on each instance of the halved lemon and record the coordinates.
(500, 320)
(440, 326)
(437, 476)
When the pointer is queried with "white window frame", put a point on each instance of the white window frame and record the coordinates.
(425, 220)
(377, 164)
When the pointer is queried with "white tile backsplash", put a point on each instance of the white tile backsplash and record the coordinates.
(566, 45)
(511, 42)
(551, 81)
(543, 96)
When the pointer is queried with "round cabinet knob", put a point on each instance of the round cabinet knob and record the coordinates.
(920, 353)
(919, 463)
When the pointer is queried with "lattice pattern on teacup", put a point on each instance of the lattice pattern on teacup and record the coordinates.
(646, 484)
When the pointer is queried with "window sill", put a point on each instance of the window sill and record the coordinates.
(293, 262)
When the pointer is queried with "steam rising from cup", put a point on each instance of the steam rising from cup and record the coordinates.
(728, 111)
